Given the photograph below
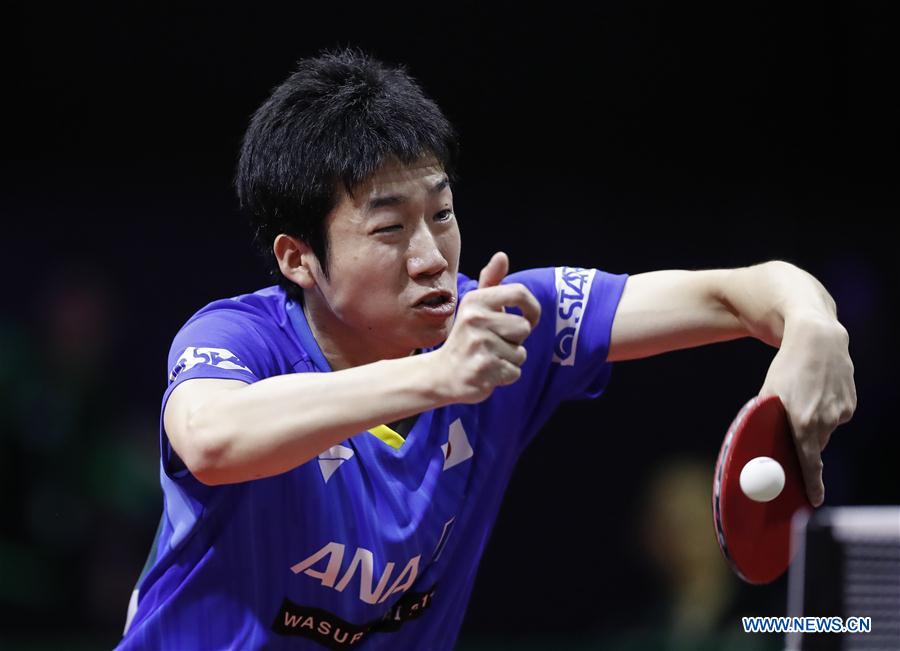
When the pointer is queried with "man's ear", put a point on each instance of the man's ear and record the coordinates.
(296, 260)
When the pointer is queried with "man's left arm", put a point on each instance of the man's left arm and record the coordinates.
(775, 302)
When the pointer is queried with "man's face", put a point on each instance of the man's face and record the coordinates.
(393, 244)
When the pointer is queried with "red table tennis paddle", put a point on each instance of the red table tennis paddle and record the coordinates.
(755, 537)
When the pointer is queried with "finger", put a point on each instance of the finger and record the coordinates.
(508, 373)
(494, 271)
(510, 352)
(512, 295)
(811, 464)
(510, 327)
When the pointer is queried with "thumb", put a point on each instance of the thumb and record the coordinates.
(494, 271)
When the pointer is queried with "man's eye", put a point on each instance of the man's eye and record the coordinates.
(444, 215)
(388, 229)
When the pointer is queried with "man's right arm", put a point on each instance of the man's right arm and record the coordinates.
(226, 431)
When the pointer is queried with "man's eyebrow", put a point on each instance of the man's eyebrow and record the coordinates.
(397, 199)
(440, 185)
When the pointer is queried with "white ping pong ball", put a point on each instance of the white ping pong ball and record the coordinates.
(762, 479)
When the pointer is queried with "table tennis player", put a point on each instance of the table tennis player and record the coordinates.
(335, 447)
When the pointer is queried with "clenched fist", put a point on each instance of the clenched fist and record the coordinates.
(484, 349)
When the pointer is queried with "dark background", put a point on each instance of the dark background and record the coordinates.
(628, 136)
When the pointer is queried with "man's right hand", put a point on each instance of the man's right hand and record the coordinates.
(484, 349)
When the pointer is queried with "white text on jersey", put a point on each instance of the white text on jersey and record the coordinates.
(364, 561)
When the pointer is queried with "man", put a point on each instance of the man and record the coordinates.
(335, 448)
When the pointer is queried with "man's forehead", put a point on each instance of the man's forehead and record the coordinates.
(395, 177)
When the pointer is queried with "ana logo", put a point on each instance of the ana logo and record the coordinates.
(457, 448)
(218, 357)
(331, 460)
(573, 286)
(363, 562)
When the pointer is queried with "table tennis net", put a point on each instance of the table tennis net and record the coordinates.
(847, 564)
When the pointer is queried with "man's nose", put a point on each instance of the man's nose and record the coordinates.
(424, 256)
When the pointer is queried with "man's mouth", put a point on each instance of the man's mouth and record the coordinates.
(435, 299)
(438, 305)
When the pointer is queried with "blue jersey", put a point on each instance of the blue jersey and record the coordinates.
(375, 543)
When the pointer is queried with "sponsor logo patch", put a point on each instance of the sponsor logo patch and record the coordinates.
(336, 633)
(217, 357)
(362, 566)
(573, 286)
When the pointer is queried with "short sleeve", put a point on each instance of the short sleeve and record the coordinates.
(226, 340)
(578, 307)
(568, 349)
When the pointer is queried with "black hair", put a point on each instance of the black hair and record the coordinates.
(335, 120)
